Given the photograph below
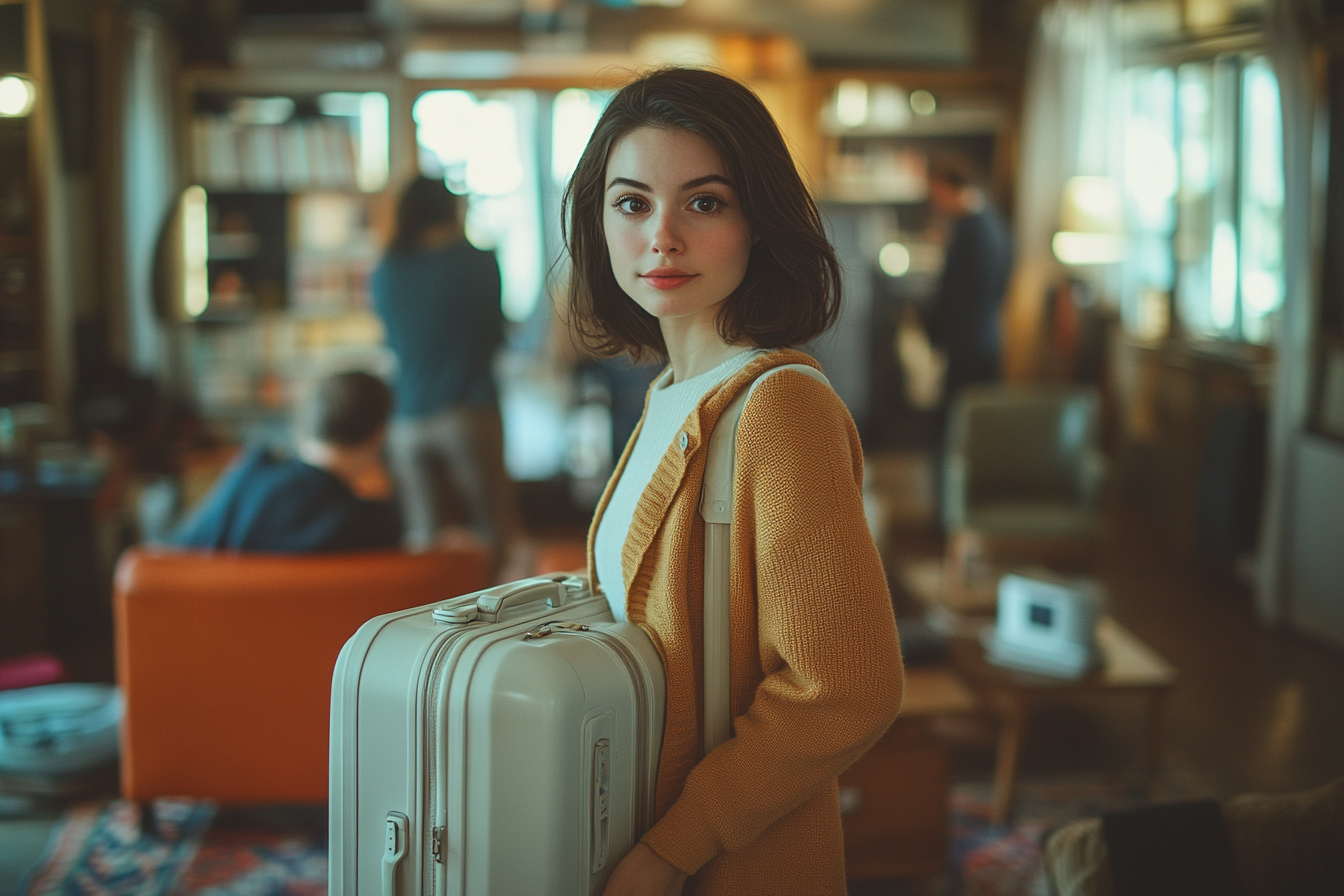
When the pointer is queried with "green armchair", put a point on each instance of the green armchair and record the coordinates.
(1022, 465)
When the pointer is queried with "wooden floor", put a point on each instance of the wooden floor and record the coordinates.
(1255, 709)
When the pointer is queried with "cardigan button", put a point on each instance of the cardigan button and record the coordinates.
(683, 440)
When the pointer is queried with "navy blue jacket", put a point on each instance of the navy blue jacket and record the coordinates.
(285, 506)
(964, 319)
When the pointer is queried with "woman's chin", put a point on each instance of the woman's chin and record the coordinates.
(672, 305)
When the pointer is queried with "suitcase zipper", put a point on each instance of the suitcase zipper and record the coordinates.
(550, 628)
(448, 652)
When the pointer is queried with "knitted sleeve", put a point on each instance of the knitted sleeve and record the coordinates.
(825, 632)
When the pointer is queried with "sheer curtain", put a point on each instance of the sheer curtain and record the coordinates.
(1288, 405)
(1066, 130)
(149, 179)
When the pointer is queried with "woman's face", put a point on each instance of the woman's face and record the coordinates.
(678, 242)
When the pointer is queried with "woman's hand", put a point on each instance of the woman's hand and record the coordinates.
(644, 873)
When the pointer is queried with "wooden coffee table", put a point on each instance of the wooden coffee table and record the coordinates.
(1128, 666)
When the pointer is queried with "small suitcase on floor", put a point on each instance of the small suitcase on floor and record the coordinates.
(557, 716)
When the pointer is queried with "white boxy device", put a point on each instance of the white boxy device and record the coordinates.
(1046, 625)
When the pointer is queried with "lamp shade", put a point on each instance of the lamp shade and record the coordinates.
(1091, 205)
(1091, 222)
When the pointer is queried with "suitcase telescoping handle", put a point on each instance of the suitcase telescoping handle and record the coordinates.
(491, 604)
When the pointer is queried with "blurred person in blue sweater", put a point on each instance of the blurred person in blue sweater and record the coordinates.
(333, 495)
(439, 300)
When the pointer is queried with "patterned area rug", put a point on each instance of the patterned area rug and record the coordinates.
(190, 849)
(194, 850)
(1005, 860)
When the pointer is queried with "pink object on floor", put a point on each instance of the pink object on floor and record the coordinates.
(30, 671)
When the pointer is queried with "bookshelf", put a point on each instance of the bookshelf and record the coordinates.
(293, 171)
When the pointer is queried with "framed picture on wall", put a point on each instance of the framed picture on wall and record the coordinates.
(1330, 392)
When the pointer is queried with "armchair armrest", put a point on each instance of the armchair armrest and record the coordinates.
(225, 661)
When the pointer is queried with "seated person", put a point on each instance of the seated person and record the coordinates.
(334, 496)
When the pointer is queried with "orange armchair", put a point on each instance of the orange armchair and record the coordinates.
(225, 661)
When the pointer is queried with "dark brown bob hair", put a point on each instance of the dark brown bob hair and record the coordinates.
(791, 291)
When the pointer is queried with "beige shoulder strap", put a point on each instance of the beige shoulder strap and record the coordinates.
(716, 507)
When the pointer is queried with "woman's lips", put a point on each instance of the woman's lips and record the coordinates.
(667, 279)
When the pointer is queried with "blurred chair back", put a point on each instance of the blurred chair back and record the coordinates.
(226, 661)
(1023, 461)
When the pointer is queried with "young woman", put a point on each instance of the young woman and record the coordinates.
(693, 238)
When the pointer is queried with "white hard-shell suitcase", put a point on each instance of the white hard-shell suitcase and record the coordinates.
(502, 742)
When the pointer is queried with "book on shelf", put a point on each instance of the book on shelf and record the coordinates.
(302, 154)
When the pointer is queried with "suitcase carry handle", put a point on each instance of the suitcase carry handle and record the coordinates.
(555, 590)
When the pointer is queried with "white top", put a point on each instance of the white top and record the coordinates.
(664, 420)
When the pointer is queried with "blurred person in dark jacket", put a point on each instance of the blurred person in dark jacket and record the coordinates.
(333, 495)
(963, 320)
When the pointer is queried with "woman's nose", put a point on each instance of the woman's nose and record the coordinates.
(666, 236)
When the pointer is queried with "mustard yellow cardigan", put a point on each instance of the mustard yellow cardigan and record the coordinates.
(816, 674)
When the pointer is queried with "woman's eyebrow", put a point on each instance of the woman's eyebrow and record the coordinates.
(689, 185)
(708, 179)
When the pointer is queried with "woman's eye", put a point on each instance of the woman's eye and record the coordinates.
(631, 205)
(706, 203)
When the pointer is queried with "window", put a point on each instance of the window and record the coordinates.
(1203, 180)
(1261, 201)
(485, 146)
(1150, 178)
(511, 152)
(574, 114)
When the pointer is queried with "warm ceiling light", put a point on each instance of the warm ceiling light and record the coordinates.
(923, 103)
(17, 96)
(851, 103)
(894, 259)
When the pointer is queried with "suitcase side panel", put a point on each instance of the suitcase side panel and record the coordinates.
(450, 704)
(344, 755)
(377, 727)
(391, 742)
